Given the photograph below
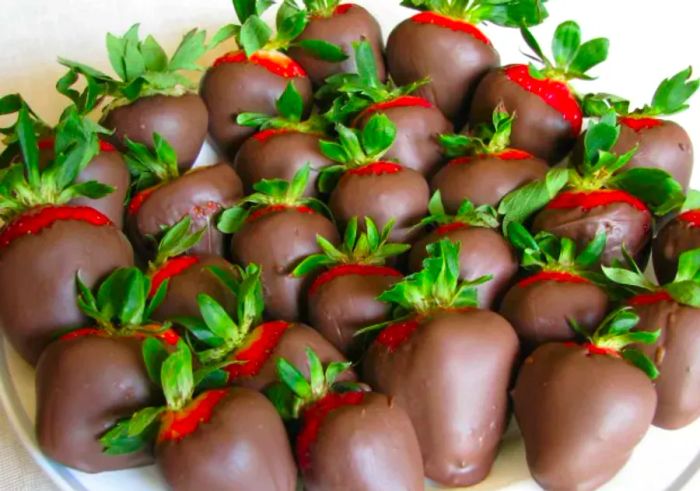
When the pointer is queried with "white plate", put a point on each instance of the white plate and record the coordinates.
(642, 53)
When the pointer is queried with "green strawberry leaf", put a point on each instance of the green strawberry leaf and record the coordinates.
(566, 43)
(673, 93)
(591, 254)
(247, 8)
(177, 378)
(154, 55)
(628, 277)
(134, 434)
(323, 50)
(191, 48)
(291, 21)
(316, 374)
(692, 200)
(688, 266)
(290, 376)
(685, 292)
(224, 34)
(156, 299)
(378, 135)
(590, 54)
(198, 328)
(255, 34)
(598, 105)
(366, 64)
(655, 187)
(217, 319)
(334, 151)
(231, 220)
(290, 105)
(520, 204)
(176, 241)
(509, 13)
(641, 361)
(154, 354)
(28, 143)
(600, 136)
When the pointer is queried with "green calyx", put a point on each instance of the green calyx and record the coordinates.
(572, 58)
(142, 67)
(294, 391)
(25, 184)
(506, 13)
(355, 148)
(615, 333)
(671, 97)
(485, 139)
(269, 193)
(321, 8)
(692, 201)
(474, 216)
(371, 247)
(151, 167)
(218, 332)
(176, 241)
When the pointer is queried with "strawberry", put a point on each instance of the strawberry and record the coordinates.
(206, 438)
(340, 426)
(263, 224)
(673, 307)
(151, 94)
(342, 299)
(44, 241)
(163, 196)
(680, 234)
(187, 274)
(254, 77)
(660, 143)
(341, 25)
(247, 347)
(483, 249)
(448, 365)
(600, 195)
(548, 113)
(363, 185)
(482, 166)
(560, 286)
(444, 44)
(569, 399)
(282, 145)
(360, 95)
(91, 377)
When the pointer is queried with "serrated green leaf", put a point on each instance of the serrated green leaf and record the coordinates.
(231, 220)
(593, 251)
(290, 105)
(655, 187)
(323, 50)
(154, 354)
(216, 318)
(520, 204)
(366, 64)
(378, 135)
(686, 292)
(641, 361)
(177, 378)
(153, 54)
(627, 277)
(290, 375)
(255, 34)
(191, 49)
(673, 93)
(224, 34)
(590, 54)
(566, 43)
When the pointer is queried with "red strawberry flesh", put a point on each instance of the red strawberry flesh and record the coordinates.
(650, 298)
(691, 216)
(48, 144)
(594, 349)
(639, 124)
(259, 345)
(450, 227)
(264, 135)
(559, 276)
(592, 199)
(176, 425)
(139, 199)
(261, 212)
(168, 336)
(172, 267)
(452, 24)
(403, 101)
(272, 61)
(508, 154)
(394, 335)
(376, 169)
(351, 269)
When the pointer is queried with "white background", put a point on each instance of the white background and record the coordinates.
(650, 39)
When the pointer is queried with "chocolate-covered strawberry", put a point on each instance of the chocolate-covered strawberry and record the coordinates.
(90, 378)
(184, 275)
(340, 425)
(444, 44)
(448, 365)
(363, 185)
(45, 242)
(282, 145)
(163, 196)
(341, 25)
(548, 114)
(276, 227)
(245, 347)
(660, 143)
(358, 96)
(582, 408)
(252, 78)
(151, 95)
(560, 287)
(483, 250)
(483, 168)
(600, 196)
(206, 438)
(343, 298)
(674, 308)
(680, 234)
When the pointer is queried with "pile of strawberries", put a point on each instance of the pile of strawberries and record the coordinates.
(402, 243)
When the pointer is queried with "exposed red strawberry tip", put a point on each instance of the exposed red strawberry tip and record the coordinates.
(450, 227)
(555, 93)
(82, 332)
(640, 124)
(403, 101)
(171, 268)
(343, 8)
(508, 154)
(312, 420)
(351, 269)
(452, 24)
(48, 144)
(558, 276)
(264, 135)
(259, 213)
(650, 298)
(593, 349)
(273, 61)
(394, 335)
(376, 169)
(34, 221)
(105, 146)
(177, 425)
(691, 216)
(259, 345)
(139, 199)
(592, 199)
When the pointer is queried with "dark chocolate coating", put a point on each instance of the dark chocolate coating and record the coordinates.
(280, 156)
(278, 242)
(540, 312)
(38, 272)
(84, 386)
(580, 415)
(538, 127)
(673, 239)
(181, 297)
(484, 180)
(454, 61)
(402, 196)
(180, 120)
(677, 356)
(229, 89)
(356, 24)
(483, 251)
(243, 446)
(345, 304)
(371, 446)
(452, 377)
(622, 223)
(200, 193)
(292, 347)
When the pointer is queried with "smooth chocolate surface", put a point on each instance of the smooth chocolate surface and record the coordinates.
(673, 239)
